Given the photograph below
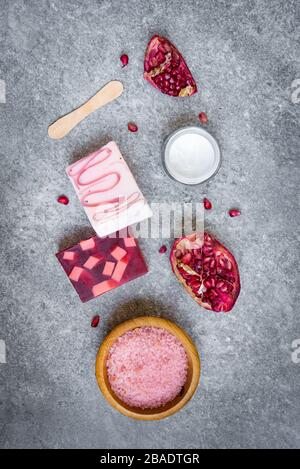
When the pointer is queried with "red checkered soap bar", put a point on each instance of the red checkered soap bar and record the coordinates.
(96, 265)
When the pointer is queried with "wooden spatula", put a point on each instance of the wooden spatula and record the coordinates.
(108, 93)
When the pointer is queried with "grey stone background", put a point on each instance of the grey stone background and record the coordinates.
(244, 55)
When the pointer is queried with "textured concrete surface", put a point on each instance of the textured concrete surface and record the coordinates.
(244, 56)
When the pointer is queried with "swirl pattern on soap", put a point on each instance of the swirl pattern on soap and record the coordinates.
(98, 179)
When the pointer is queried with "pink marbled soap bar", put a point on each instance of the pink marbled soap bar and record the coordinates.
(147, 367)
(108, 191)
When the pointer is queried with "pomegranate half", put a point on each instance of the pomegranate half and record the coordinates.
(207, 270)
(166, 70)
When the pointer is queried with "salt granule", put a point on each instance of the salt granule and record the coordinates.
(147, 367)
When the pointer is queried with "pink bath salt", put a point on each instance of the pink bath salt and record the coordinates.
(147, 367)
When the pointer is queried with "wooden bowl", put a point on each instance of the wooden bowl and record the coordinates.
(170, 408)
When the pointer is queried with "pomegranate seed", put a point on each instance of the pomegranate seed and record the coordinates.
(187, 258)
(207, 204)
(124, 60)
(203, 118)
(160, 57)
(63, 199)
(95, 320)
(178, 253)
(234, 213)
(132, 127)
(163, 249)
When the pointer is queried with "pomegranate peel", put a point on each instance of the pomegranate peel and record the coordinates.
(166, 70)
(208, 272)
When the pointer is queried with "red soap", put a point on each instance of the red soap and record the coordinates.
(87, 244)
(119, 270)
(92, 261)
(118, 253)
(103, 287)
(97, 265)
(69, 255)
(75, 274)
(129, 242)
(108, 268)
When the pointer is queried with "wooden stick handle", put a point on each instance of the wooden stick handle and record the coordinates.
(108, 93)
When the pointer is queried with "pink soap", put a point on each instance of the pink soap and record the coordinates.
(108, 191)
(147, 367)
(90, 265)
(69, 255)
(108, 268)
(87, 244)
(75, 274)
(92, 262)
(103, 287)
(119, 270)
(118, 253)
(129, 242)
